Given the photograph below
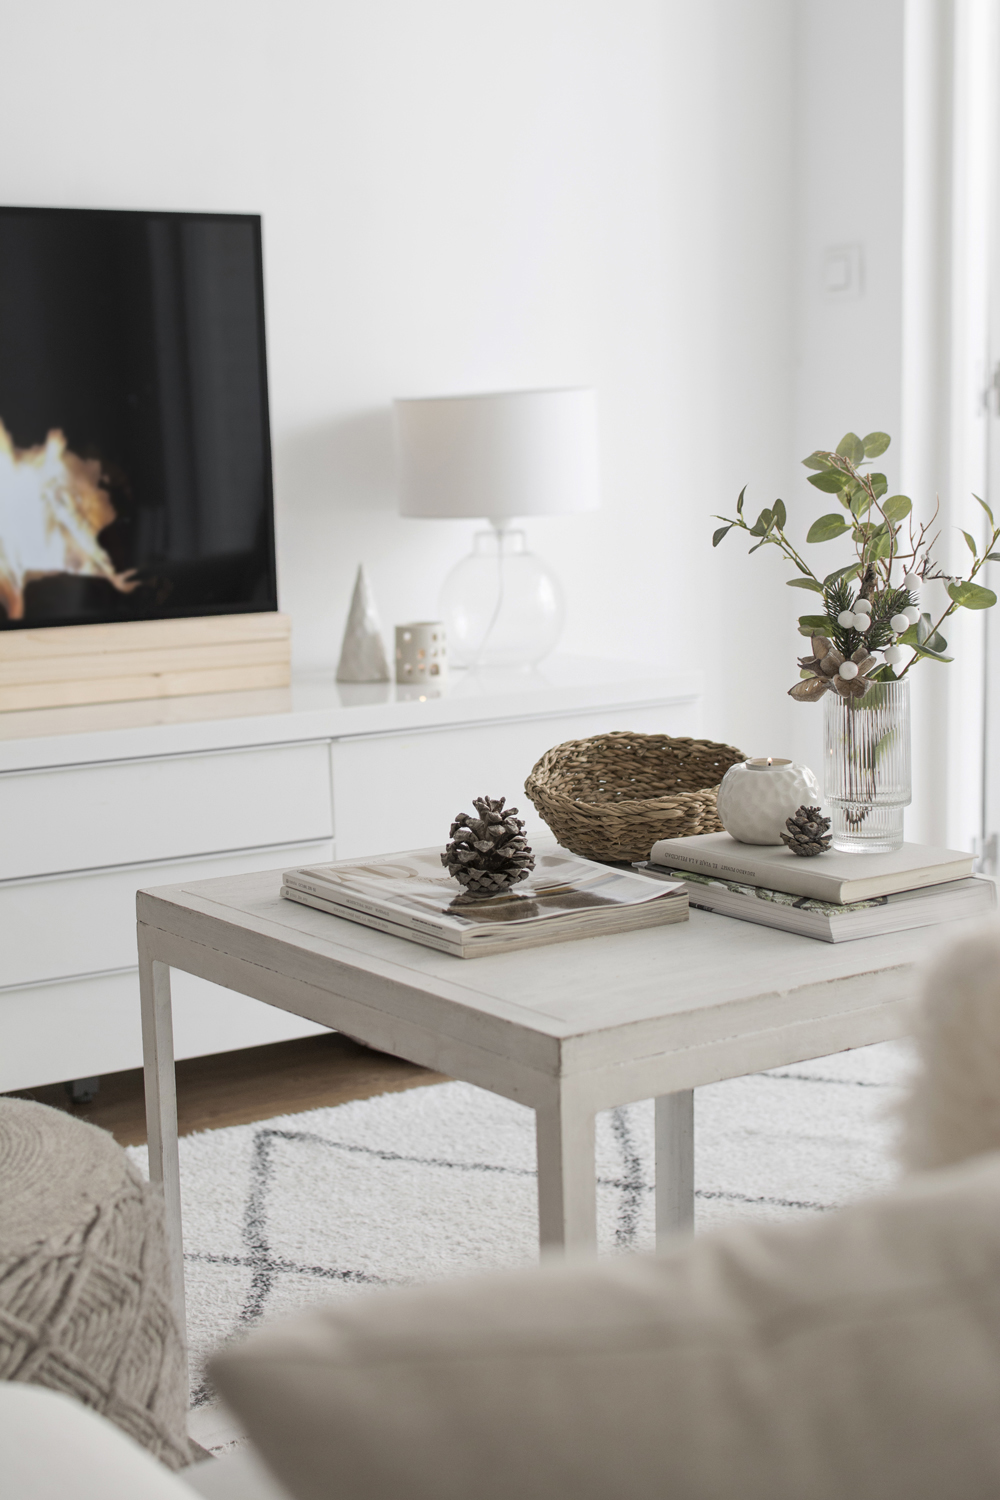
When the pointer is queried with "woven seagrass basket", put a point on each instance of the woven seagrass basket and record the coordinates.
(612, 796)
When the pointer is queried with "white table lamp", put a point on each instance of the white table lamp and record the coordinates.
(499, 456)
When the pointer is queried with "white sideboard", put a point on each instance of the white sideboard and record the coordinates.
(96, 802)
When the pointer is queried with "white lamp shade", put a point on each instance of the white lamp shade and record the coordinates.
(515, 453)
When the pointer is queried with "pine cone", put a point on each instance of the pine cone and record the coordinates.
(808, 833)
(489, 853)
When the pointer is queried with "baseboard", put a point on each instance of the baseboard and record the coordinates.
(60, 667)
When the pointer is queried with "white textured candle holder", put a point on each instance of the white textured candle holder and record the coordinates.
(421, 653)
(757, 796)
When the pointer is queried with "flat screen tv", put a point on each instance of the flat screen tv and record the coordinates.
(135, 464)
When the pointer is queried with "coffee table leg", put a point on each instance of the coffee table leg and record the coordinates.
(567, 1180)
(674, 1164)
(161, 1109)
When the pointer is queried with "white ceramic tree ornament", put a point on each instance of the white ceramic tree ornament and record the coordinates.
(757, 796)
(362, 655)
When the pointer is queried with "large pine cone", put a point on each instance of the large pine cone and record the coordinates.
(808, 833)
(489, 853)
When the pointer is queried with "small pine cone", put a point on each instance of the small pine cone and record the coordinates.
(808, 833)
(488, 853)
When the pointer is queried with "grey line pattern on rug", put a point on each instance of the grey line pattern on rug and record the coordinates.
(265, 1267)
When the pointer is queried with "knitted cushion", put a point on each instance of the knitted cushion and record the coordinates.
(84, 1304)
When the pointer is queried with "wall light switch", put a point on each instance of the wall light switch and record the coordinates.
(843, 272)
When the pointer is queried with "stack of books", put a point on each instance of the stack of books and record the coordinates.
(411, 896)
(834, 897)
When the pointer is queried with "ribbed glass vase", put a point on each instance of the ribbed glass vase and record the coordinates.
(867, 767)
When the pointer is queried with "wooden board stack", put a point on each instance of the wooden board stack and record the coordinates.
(64, 665)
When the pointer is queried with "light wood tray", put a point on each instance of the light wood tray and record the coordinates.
(59, 666)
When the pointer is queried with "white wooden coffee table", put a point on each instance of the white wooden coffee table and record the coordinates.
(569, 1029)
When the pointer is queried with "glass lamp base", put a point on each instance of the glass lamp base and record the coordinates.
(501, 605)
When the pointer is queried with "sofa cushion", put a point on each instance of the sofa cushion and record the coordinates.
(853, 1357)
(952, 1106)
(52, 1448)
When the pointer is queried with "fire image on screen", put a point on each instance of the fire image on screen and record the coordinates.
(135, 475)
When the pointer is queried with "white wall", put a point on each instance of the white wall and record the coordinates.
(461, 195)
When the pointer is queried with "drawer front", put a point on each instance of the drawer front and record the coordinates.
(85, 1027)
(85, 924)
(140, 811)
(402, 791)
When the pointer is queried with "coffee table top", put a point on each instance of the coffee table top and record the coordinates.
(565, 1007)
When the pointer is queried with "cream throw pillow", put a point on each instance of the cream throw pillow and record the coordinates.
(855, 1357)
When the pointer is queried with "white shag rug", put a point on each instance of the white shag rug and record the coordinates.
(440, 1180)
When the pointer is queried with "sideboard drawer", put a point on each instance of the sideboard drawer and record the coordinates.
(85, 924)
(127, 812)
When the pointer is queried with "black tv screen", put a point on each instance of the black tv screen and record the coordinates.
(135, 463)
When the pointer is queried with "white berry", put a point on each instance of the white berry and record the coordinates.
(846, 619)
(899, 623)
(912, 614)
(862, 607)
(861, 623)
(847, 670)
(893, 654)
(910, 582)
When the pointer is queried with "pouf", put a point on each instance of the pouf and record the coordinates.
(84, 1288)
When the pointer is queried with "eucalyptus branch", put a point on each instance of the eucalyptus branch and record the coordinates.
(977, 565)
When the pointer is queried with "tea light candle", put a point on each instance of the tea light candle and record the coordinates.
(421, 653)
(758, 795)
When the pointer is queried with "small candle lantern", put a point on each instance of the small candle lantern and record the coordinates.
(421, 653)
(758, 795)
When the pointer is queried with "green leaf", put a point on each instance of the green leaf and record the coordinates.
(993, 557)
(897, 507)
(816, 460)
(805, 583)
(879, 484)
(971, 595)
(909, 637)
(739, 503)
(881, 546)
(936, 642)
(831, 481)
(852, 448)
(985, 508)
(932, 655)
(848, 572)
(860, 502)
(718, 535)
(876, 443)
(779, 514)
(757, 548)
(816, 625)
(826, 528)
(923, 628)
(971, 544)
(762, 525)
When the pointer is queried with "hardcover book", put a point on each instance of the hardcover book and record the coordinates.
(829, 921)
(837, 877)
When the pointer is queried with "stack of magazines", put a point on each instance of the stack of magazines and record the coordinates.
(834, 897)
(410, 896)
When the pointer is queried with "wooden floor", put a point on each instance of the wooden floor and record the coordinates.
(236, 1088)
